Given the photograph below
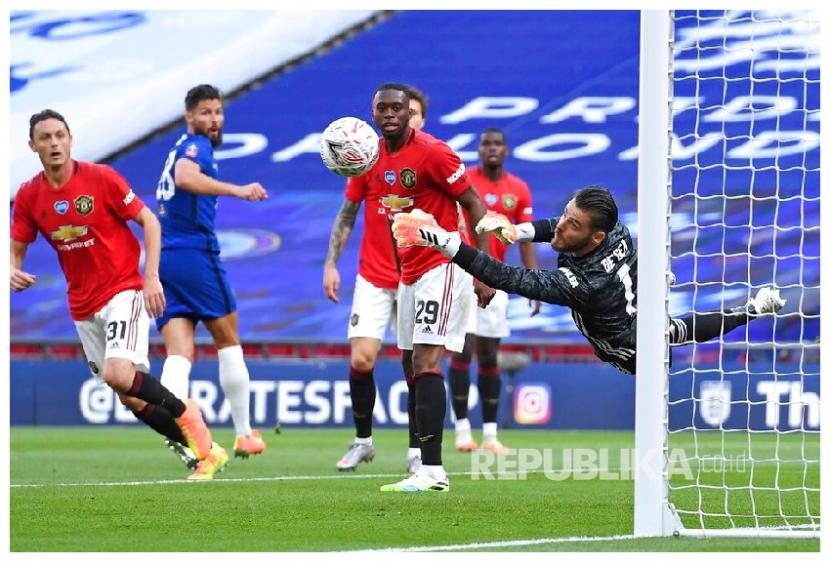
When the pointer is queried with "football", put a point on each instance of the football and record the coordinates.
(349, 147)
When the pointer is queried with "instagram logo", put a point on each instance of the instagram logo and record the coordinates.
(531, 404)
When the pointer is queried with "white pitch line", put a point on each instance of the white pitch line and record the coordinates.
(265, 479)
(494, 544)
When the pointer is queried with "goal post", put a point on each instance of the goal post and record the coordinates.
(652, 513)
(728, 199)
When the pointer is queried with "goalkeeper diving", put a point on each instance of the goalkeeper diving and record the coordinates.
(596, 275)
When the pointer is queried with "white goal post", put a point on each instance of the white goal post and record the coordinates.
(745, 151)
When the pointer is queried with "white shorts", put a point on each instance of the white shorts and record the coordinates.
(432, 310)
(491, 322)
(469, 295)
(373, 309)
(120, 329)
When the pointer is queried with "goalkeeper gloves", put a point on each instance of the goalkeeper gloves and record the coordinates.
(504, 230)
(420, 229)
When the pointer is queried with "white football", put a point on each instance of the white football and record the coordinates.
(349, 147)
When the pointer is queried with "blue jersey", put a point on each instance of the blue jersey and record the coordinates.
(187, 218)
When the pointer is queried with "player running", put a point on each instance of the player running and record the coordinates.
(596, 275)
(506, 194)
(374, 299)
(415, 165)
(192, 273)
(82, 210)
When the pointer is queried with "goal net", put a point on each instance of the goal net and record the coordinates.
(741, 416)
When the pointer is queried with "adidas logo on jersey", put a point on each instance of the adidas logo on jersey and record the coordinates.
(426, 330)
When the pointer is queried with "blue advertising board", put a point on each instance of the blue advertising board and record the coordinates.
(549, 396)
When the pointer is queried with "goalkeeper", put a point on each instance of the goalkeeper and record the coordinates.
(596, 275)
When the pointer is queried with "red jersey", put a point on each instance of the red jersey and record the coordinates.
(509, 196)
(378, 262)
(85, 221)
(424, 174)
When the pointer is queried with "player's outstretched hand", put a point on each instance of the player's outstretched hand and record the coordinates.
(409, 229)
(331, 283)
(499, 225)
(154, 300)
(420, 229)
(252, 192)
(20, 280)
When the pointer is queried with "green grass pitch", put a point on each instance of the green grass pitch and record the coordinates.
(292, 499)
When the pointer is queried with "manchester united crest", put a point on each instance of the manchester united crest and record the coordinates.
(508, 201)
(84, 204)
(354, 320)
(408, 178)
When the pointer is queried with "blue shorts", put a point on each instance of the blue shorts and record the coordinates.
(195, 286)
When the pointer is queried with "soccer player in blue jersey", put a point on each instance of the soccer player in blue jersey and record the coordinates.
(192, 274)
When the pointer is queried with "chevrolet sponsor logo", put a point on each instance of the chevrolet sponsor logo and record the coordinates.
(68, 232)
(396, 203)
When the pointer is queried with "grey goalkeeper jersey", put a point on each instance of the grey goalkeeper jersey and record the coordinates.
(599, 288)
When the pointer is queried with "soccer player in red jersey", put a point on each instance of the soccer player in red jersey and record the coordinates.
(374, 299)
(506, 194)
(414, 165)
(82, 210)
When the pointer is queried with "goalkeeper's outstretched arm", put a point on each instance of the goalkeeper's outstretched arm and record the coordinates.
(537, 284)
(543, 229)
(420, 229)
(537, 231)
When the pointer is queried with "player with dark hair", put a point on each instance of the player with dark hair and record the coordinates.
(419, 168)
(374, 299)
(596, 275)
(192, 273)
(418, 105)
(82, 210)
(506, 194)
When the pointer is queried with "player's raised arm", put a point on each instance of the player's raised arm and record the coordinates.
(19, 279)
(189, 176)
(340, 232)
(154, 299)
